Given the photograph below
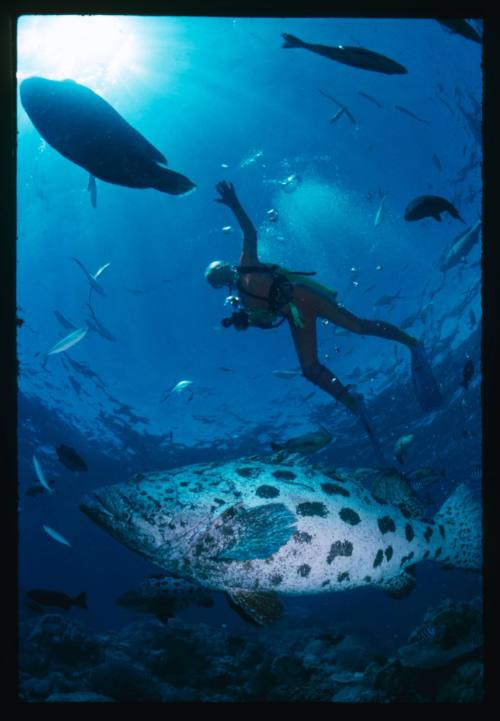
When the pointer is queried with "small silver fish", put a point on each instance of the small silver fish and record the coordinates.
(401, 447)
(56, 536)
(379, 216)
(286, 374)
(40, 475)
(93, 283)
(304, 444)
(69, 341)
(101, 270)
(177, 388)
(92, 188)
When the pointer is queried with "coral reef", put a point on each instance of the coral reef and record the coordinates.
(147, 661)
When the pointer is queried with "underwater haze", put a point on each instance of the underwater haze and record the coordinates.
(325, 158)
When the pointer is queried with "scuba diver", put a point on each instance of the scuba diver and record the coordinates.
(267, 295)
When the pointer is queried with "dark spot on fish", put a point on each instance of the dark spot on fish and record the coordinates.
(284, 475)
(407, 558)
(332, 489)
(404, 512)
(237, 494)
(183, 483)
(219, 501)
(349, 516)
(428, 534)
(302, 537)
(276, 579)
(325, 583)
(312, 509)
(343, 577)
(304, 570)
(246, 472)
(389, 552)
(183, 523)
(172, 526)
(267, 492)
(378, 558)
(339, 548)
(438, 552)
(427, 554)
(441, 530)
(386, 524)
(409, 532)
(367, 579)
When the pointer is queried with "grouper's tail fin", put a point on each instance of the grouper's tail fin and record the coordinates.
(461, 518)
(290, 41)
(168, 181)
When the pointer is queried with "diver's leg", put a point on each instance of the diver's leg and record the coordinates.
(305, 342)
(381, 328)
(425, 386)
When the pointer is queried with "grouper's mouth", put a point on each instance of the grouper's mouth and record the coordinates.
(96, 509)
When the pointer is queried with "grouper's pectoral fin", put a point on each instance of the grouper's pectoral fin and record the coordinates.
(92, 188)
(241, 534)
(399, 586)
(259, 608)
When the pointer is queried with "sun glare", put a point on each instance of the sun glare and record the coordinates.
(85, 48)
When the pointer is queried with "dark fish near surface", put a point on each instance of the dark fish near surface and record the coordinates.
(388, 299)
(36, 490)
(349, 55)
(412, 115)
(460, 247)
(70, 458)
(430, 206)
(370, 98)
(66, 324)
(164, 596)
(307, 443)
(343, 108)
(459, 26)
(437, 162)
(87, 130)
(57, 598)
(468, 373)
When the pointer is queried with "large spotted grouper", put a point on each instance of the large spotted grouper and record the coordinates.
(256, 527)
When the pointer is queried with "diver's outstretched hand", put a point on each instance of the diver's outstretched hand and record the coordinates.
(228, 194)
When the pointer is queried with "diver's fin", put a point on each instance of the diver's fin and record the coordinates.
(399, 586)
(258, 608)
(424, 384)
(290, 41)
(248, 534)
(93, 190)
(168, 181)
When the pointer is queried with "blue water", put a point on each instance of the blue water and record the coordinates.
(222, 100)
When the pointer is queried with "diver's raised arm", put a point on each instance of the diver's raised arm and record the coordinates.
(228, 197)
